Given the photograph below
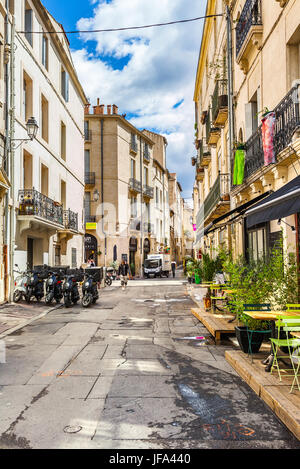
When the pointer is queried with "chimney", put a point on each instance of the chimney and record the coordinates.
(109, 109)
(115, 109)
(97, 109)
(87, 108)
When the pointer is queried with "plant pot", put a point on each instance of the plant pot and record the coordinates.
(243, 340)
(207, 303)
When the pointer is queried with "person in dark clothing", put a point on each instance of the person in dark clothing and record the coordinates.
(123, 274)
(173, 267)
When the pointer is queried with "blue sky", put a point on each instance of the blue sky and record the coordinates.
(149, 74)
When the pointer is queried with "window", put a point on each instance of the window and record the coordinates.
(28, 23)
(63, 194)
(145, 175)
(160, 200)
(63, 141)
(157, 196)
(44, 180)
(44, 118)
(257, 245)
(27, 170)
(57, 255)
(293, 57)
(74, 258)
(251, 115)
(133, 207)
(87, 161)
(27, 96)
(132, 169)
(87, 205)
(65, 85)
(45, 51)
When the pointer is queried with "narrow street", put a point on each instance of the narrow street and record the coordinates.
(120, 375)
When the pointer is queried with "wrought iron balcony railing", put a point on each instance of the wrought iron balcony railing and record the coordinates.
(146, 154)
(135, 224)
(212, 133)
(250, 16)
(148, 191)
(70, 220)
(32, 202)
(133, 145)
(219, 193)
(204, 155)
(90, 218)
(87, 135)
(219, 99)
(135, 185)
(89, 179)
(287, 121)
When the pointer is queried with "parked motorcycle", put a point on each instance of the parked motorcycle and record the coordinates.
(89, 290)
(21, 285)
(70, 289)
(36, 285)
(54, 289)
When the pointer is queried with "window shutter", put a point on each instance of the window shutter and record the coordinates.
(28, 25)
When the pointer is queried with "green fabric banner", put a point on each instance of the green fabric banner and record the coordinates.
(239, 167)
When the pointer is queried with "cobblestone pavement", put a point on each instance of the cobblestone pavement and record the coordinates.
(128, 374)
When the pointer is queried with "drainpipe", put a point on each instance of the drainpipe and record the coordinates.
(230, 94)
(141, 222)
(12, 157)
(6, 162)
(102, 191)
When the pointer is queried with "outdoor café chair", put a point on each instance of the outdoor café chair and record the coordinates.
(253, 334)
(287, 324)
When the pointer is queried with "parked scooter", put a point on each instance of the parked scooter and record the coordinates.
(35, 285)
(108, 278)
(70, 289)
(89, 290)
(54, 287)
(21, 285)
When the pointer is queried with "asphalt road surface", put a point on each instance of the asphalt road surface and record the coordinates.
(121, 375)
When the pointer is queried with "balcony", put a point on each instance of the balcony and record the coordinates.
(135, 224)
(249, 31)
(39, 212)
(287, 121)
(87, 135)
(146, 154)
(70, 220)
(89, 179)
(148, 191)
(216, 202)
(200, 174)
(148, 227)
(90, 219)
(133, 146)
(135, 185)
(220, 103)
(212, 133)
(204, 155)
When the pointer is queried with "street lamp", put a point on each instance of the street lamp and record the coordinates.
(96, 195)
(31, 128)
(292, 227)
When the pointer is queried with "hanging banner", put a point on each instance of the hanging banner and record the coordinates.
(268, 132)
(239, 166)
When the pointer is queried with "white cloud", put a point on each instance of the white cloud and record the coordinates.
(157, 72)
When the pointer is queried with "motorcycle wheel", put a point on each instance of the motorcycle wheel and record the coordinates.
(67, 301)
(87, 300)
(28, 295)
(49, 298)
(17, 296)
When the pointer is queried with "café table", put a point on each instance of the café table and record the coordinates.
(271, 316)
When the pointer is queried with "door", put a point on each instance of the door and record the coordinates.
(30, 252)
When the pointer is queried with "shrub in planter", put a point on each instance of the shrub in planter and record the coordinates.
(243, 339)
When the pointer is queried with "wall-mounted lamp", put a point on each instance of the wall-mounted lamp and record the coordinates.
(291, 226)
(96, 195)
(31, 128)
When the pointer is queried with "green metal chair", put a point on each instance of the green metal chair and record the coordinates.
(287, 324)
(293, 307)
(253, 338)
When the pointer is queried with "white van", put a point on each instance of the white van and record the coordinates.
(158, 265)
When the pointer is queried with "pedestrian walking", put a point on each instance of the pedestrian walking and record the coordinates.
(123, 273)
(173, 267)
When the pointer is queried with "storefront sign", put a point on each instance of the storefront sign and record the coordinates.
(91, 226)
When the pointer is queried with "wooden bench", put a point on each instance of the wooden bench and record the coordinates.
(216, 324)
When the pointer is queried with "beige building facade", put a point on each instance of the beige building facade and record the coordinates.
(125, 189)
(47, 172)
(246, 214)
